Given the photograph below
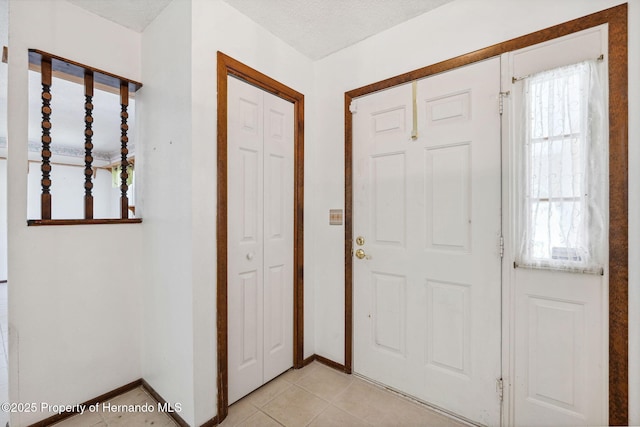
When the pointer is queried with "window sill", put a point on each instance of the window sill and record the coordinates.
(38, 222)
(560, 268)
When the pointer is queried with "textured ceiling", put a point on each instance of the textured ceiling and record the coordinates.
(134, 14)
(316, 28)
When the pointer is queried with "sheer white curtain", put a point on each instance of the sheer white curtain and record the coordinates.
(564, 169)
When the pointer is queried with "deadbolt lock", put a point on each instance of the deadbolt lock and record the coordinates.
(360, 240)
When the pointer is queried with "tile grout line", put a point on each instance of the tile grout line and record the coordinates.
(260, 408)
(320, 413)
(279, 423)
(328, 401)
(275, 396)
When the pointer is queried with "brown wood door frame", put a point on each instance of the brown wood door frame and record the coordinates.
(616, 17)
(228, 66)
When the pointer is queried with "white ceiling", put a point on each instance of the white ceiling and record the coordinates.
(316, 28)
(134, 14)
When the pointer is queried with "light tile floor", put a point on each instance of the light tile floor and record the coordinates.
(102, 418)
(316, 396)
(320, 396)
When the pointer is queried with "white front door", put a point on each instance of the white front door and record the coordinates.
(427, 294)
(260, 237)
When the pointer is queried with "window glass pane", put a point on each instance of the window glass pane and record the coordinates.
(556, 105)
(561, 188)
(556, 168)
(557, 230)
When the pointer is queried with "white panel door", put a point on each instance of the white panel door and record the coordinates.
(260, 237)
(427, 296)
(558, 349)
(278, 236)
(559, 318)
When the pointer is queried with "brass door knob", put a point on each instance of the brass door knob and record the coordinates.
(360, 254)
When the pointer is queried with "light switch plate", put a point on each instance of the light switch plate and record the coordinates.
(335, 216)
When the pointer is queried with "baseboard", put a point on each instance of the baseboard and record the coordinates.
(330, 363)
(177, 418)
(211, 423)
(308, 360)
(103, 397)
(117, 392)
(321, 359)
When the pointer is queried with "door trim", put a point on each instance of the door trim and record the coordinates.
(228, 66)
(616, 17)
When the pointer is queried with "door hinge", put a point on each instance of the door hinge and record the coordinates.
(501, 247)
(501, 97)
(500, 388)
(353, 107)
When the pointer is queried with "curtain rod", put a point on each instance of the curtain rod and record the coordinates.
(517, 79)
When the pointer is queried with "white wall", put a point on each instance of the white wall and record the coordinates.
(165, 139)
(634, 213)
(219, 27)
(4, 39)
(177, 117)
(75, 299)
(177, 200)
(3, 219)
(451, 30)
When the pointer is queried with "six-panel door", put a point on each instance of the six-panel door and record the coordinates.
(427, 298)
(260, 237)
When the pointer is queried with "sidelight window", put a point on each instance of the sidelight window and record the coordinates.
(563, 169)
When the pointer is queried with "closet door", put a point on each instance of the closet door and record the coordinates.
(278, 236)
(260, 237)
